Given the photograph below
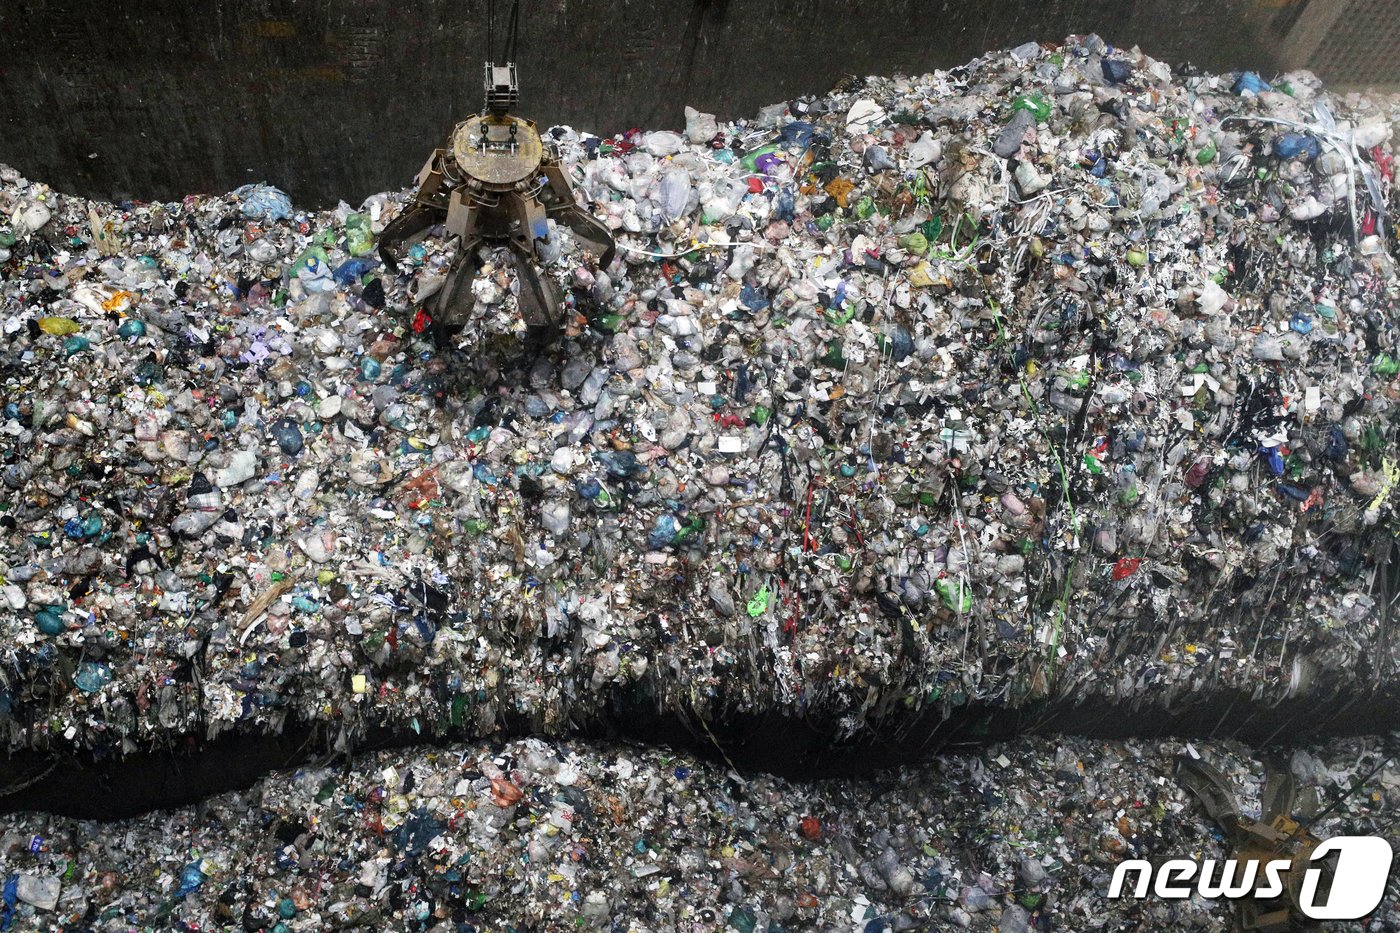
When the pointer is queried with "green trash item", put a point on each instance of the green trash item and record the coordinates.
(743, 919)
(750, 161)
(459, 710)
(359, 237)
(50, 620)
(834, 356)
(311, 253)
(759, 604)
(914, 242)
(1034, 104)
(1207, 154)
(840, 316)
(693, 525)
(1385, 365)
(954, 594)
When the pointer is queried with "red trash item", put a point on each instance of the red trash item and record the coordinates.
(1126, 567)
(504, 793)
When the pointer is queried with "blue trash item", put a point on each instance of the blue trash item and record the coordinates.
(191, 877)
(418, 829)
(10, 895)
(1249, 82)
(662, 533)
(350, 271)
(1336, 444)
(784, 206)
(92, 676)
(1115, 70)
(425, 628)
(1273, 458)
(901, 344)
(752, 298)
(264, 202)
(288, 436)
(798, 133)
(1293, 145)
(621, 463)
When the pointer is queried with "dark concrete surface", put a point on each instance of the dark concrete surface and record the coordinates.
(337, 99)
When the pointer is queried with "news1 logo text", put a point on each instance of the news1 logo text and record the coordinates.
(1358, 883)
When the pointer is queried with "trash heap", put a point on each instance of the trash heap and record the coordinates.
(1049, 378)
(532, 835)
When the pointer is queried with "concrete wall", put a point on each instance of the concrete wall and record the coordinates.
(332, 99)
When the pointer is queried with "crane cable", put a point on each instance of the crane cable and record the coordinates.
(512, 31)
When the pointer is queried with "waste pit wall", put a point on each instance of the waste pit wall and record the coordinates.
(315, 96)
(1053, 391)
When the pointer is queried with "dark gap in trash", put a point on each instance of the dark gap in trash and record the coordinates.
(188, 770)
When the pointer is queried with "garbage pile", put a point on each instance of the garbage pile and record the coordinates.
(1053, 376)
(532, 835)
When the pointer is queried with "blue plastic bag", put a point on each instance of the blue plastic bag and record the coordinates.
(264, 202)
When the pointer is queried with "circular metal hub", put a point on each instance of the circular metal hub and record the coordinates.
(497, 150)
